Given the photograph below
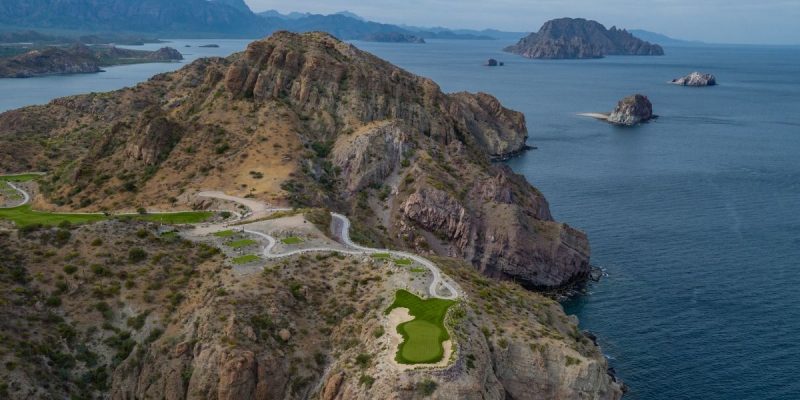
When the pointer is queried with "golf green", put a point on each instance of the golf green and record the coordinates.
(423, 336)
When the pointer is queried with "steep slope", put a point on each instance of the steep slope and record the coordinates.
(309, 121)
(580, 38)
(82, 317)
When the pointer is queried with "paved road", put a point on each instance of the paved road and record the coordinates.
(259, 209)
(26, 198)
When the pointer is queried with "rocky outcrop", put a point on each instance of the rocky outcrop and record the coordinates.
(78, 59)
(632, 110)
(579, 38)
(493, 63)
(696, 79)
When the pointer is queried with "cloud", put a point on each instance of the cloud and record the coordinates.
(731, 21)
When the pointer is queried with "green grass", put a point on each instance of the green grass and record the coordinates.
(403, 261)
(247, 259)
(23, 216)
(238, 244)
(423, 336)
(292, 240)
(19, 178)
(224, 234)
(169, 235)
(188, 217)
(381, 256)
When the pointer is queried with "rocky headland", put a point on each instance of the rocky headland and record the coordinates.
(307, 121)
(696, 79)
(577, 38)
(632, 110)
(78, 59)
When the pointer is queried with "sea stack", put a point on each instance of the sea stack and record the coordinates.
(696, 79)
(632, 110)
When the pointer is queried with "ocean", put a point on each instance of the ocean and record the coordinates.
(695, 217)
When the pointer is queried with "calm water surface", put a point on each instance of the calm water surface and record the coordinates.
(696, 217)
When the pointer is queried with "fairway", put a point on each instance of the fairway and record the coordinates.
(187, 217)
(423, 336)
(247, 259)
(23, 216)
(19, 178)
(224, 234)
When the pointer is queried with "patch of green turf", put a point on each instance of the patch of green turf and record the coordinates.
(224, 234)
(292, 240)
(238, 244)
(403, 261)
(169, 235)
(418, 270)
(19, 178)
(188, 217)
(381, 256)
(24, 216)
(423, 336)
(247, 259)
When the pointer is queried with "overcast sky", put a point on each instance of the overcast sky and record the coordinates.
(721, 21)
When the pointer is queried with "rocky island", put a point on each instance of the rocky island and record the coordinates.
(308, 122)
(696, 79)
(78, 59)
(578, 38)
(632, 110)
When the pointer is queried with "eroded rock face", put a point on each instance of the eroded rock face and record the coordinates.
(632, 110)
(579, 38)
(696, 79)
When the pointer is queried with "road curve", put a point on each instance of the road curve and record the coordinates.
(259, 209)
(26, 198)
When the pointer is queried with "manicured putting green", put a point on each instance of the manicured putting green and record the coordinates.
(238, 244)
(224, 234)
(381, 256)
(292, 240)
(418, 270)
(423, 336)
(403, 261)
(246, 259)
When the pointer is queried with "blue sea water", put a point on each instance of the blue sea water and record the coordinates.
(695, 217)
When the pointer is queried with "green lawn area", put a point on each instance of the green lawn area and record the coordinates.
(246, 259)
(24, 216)
(238, 244)
(403, 261)
(418, 270)
(423, 336)
(381, 256)
(292, 240)
(19, 178)
(224, 234)
(188, 217)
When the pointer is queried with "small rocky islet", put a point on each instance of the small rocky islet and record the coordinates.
(696, 79)
(631, 110)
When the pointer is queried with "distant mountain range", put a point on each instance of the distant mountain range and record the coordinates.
(204, 18)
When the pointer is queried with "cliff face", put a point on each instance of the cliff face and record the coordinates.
(328, 125)
(182, 325)
(579, 38)
(78, 59)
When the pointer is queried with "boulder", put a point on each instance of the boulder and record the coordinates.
(632, 110)
(696, 79)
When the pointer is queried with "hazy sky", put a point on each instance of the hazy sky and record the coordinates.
(722, 21)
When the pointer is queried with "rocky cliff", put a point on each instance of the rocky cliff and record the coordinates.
(327, 125)
(579, 38)
(181, 323)
(78, 59)
(632, 110)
